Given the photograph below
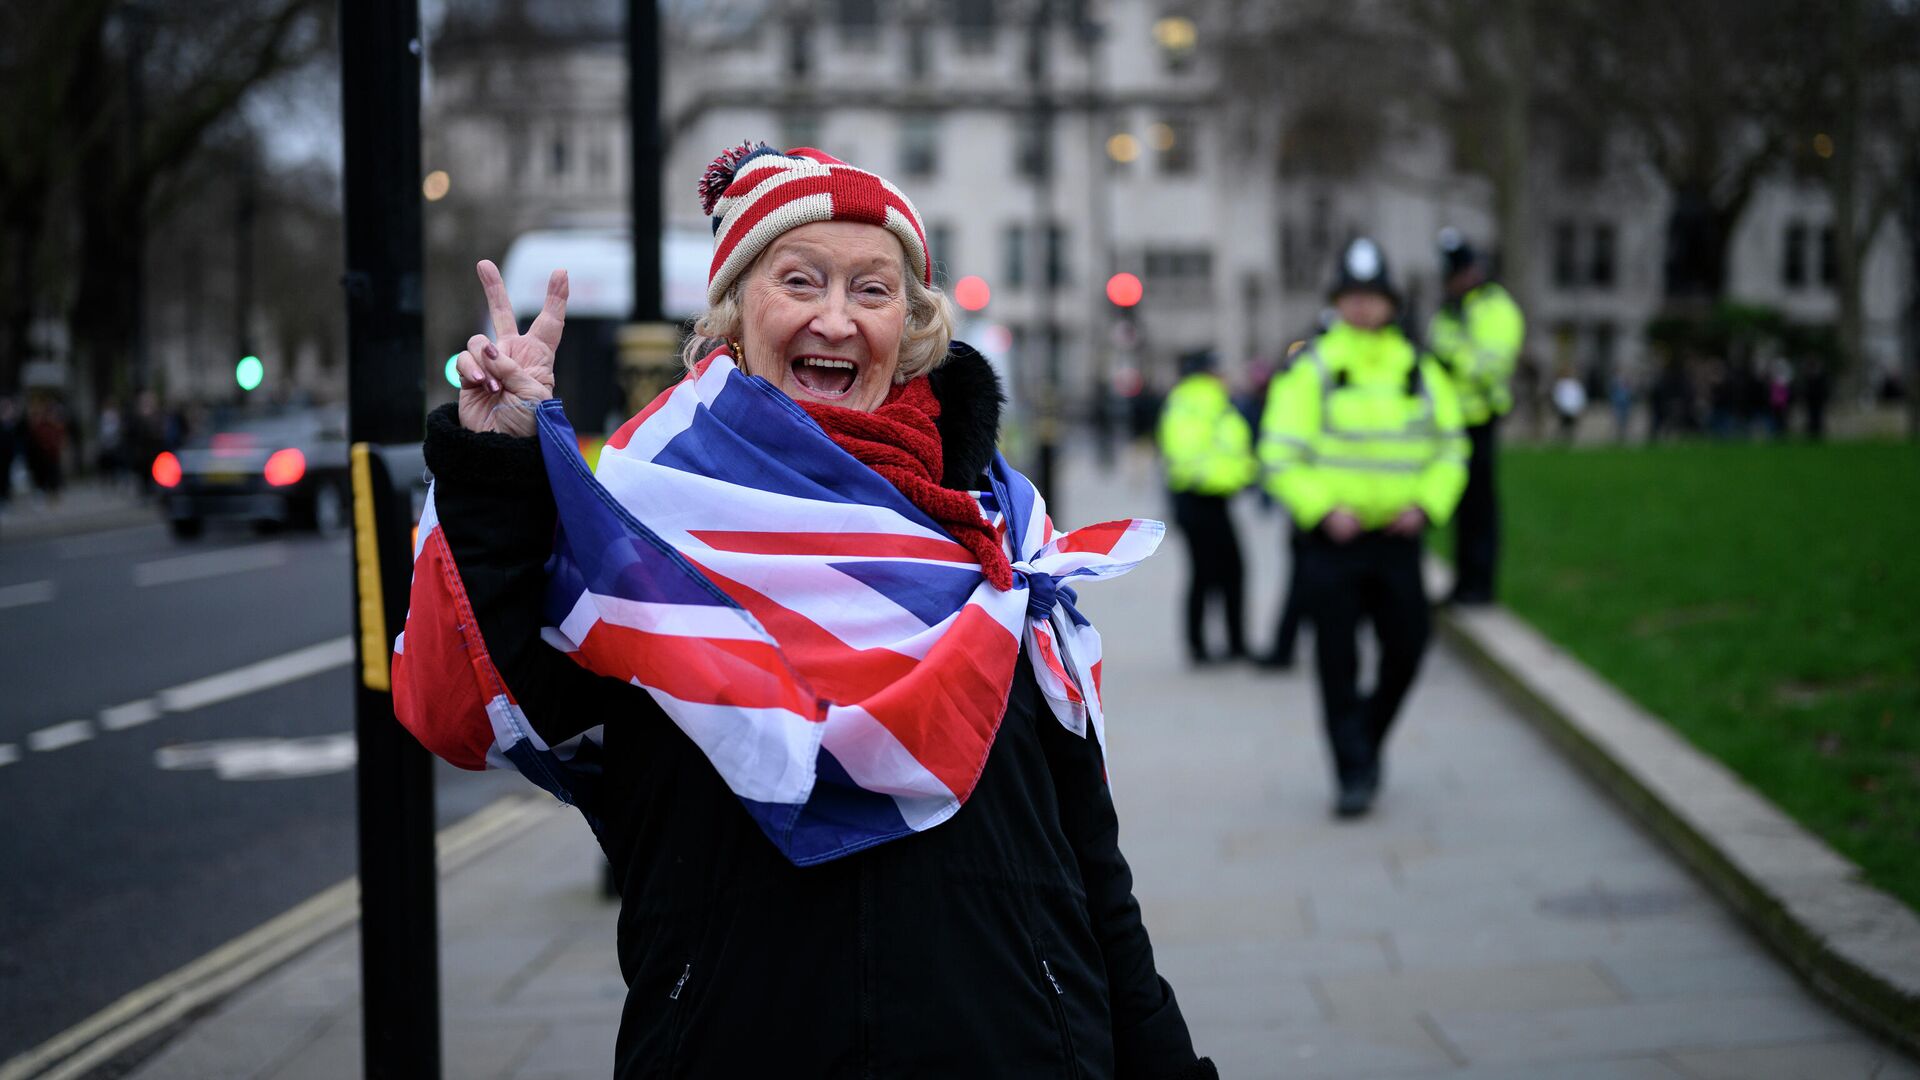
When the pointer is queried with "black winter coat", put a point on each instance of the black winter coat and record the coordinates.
(1005, 942)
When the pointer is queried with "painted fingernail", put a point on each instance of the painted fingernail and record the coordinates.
(493, 353)
(493, 385)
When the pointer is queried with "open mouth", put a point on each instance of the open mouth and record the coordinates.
(825, 376)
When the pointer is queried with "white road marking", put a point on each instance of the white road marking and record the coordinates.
(272, 672)
(28, 592)
(206, 564)
(9, 753)
(132, 714)
(60, 736)
(263, 759)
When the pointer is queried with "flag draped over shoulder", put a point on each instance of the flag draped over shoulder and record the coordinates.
(837, 656)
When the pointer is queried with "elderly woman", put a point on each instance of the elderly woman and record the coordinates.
(800, 654)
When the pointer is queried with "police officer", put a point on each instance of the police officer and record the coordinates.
(1362, 441)
(1476, 336)
(1208, 447)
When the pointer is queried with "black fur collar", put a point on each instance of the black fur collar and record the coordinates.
(970, 402)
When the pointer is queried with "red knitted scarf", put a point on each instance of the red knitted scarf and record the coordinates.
(900, 441)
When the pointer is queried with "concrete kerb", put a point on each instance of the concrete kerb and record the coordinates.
(1850, 942)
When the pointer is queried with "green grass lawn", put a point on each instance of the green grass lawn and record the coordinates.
(1764, 599)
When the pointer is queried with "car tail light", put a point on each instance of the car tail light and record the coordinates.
(166, 470)
(286, 467)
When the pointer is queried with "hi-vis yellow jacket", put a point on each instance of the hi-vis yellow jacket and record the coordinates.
(1361, 421)
(1208, 445)
(1478, 343)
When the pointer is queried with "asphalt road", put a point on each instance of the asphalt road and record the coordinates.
(175, 756)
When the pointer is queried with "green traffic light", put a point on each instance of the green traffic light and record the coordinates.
(248, 372)
(453, 371)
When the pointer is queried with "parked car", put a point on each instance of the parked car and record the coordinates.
(282, 468)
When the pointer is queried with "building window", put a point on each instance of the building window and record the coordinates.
(1173, 140)
(1600, 259)
(799, 49)
(1181, 271)
(600, 158)
(1057, 269)
(919, 145)
(1829, 258)
(973, 25)
(859, 22)
(1793, 256)
(941, 251)
(1605, 340)
(919, 49)
(801, 128)
(1016, 256)
(557, 155)
(1566, 264)
(1032, 152)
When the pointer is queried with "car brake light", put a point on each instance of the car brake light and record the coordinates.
(286, 467)
(166, 470)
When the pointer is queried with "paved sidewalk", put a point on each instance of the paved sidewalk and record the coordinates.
(82, 507)
(1496, 917)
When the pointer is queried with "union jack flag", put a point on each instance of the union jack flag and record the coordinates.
(837, 656)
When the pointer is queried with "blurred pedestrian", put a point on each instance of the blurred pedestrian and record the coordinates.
(855, 832)
(46, 445)
(1286, 632)
(10, 427)
(1569, 401)
(1207, 446)
(113, 450)
(1476, 336)
(1620, 395)
(1363, 442)
(1814, 388)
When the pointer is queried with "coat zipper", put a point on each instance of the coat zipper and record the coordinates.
(1060, 1018)
(673, 1024)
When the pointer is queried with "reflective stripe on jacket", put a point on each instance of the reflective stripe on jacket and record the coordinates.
(1478, 342)
(1207, 444)
(1360, 421)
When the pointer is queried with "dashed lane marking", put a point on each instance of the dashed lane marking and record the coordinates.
(25, 593)
(60, 736)
(241, 681)
(132, 714)
(9, 753)
(206, 564)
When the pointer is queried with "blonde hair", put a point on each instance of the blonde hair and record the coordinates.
(923, 340)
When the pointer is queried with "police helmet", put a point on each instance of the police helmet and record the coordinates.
(1363, 268)
(1456, 254)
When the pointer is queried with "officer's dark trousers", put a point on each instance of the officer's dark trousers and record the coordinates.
(1476, 535)
(1288, 632)
(1213, 553)
(1376, 577)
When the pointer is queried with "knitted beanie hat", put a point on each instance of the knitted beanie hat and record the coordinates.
(754, 193)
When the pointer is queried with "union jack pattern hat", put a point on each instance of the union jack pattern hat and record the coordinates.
(754, 193)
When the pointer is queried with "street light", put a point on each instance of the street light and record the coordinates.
(453, 371)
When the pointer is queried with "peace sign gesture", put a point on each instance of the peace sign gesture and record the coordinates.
(503, 379)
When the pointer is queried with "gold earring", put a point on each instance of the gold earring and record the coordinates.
(733, 346)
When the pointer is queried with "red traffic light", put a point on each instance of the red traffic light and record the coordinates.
(1125, 290)
(971, 292)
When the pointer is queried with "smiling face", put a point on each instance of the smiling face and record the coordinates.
(823, 311)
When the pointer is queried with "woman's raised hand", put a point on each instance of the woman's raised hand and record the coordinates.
(502, 380)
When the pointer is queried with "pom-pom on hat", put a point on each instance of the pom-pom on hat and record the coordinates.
(754, 193)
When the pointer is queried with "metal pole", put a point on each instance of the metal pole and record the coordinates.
(644, 145)
(380, 51)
